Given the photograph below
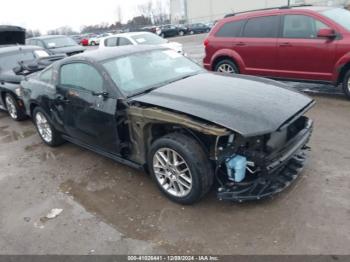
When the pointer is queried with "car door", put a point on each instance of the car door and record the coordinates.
(122, 41)
(89, 112)
(301, 53)
(257, 45)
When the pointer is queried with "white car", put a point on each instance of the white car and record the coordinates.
(139, 38)
(96, 40)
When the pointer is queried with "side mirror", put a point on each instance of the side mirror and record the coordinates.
(326, 33)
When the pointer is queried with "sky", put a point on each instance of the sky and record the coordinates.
(47, 14)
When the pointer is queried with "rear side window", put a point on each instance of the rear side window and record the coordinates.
(262, 27)
(231, 29)
(301, 26)
(111, 41)
(81, 76)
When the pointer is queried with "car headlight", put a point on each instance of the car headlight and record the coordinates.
(18, 91)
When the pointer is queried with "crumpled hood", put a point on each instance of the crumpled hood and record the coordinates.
(247, 105)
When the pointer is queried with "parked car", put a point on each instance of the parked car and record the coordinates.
(198, 28)
(15, 63)
(139, 38)
(84, 41)
(152, 29)
(154, 109)
(210, 24)
(169, 31)
(12, 35)
(298, 44)
(182, 29)
(57, 44)
(96, 40)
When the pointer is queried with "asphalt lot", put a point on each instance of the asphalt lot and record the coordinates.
(109, 208)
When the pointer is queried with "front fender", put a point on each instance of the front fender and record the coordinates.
(339, 66)
(231, 54)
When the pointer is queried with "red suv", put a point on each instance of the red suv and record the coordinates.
(299, 43)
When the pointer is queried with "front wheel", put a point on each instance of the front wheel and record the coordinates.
(47, 132)
(181, 33)
(180, 168)
(346, 84)
(13, 108)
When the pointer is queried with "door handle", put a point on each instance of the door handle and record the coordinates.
(285, 44)
(240, 44)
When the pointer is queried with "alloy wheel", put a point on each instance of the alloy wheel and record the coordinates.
(172, 172)
(44, 127)
(349, 84)
(226, 68)
(11, 107)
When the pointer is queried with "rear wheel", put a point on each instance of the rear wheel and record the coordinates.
(191, 32)
(180, 168)
(181, 33)
(346, 84)
(47, 132)
(14, 110)
(226, 66)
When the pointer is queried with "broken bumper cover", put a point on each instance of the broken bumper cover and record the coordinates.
(282, 172)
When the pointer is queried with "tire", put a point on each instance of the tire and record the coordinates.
(181, 33)
(53, 139)
(14, 110)
(191, 32)
(162, 35)
(346, 84)
(199, 169)
(229, 64)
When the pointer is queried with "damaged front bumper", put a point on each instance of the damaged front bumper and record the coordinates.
(282, 169)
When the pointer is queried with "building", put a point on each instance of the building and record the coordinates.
(192, 11)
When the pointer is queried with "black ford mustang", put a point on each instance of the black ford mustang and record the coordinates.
(154, 109)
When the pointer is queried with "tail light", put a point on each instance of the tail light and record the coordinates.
(206, 42)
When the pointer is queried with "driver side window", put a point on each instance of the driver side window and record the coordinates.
(301, 26)
(81, 76)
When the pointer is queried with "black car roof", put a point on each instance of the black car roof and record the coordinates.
(11, 28)
(113, 52)
(13, 48)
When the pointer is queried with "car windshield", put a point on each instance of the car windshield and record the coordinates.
(9, 62)
(340, 16)
(148, 39)
(142, 72)
(57, 42)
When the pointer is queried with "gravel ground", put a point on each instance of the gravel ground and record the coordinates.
(109, 208)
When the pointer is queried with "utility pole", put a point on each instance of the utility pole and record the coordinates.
(288, 3)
